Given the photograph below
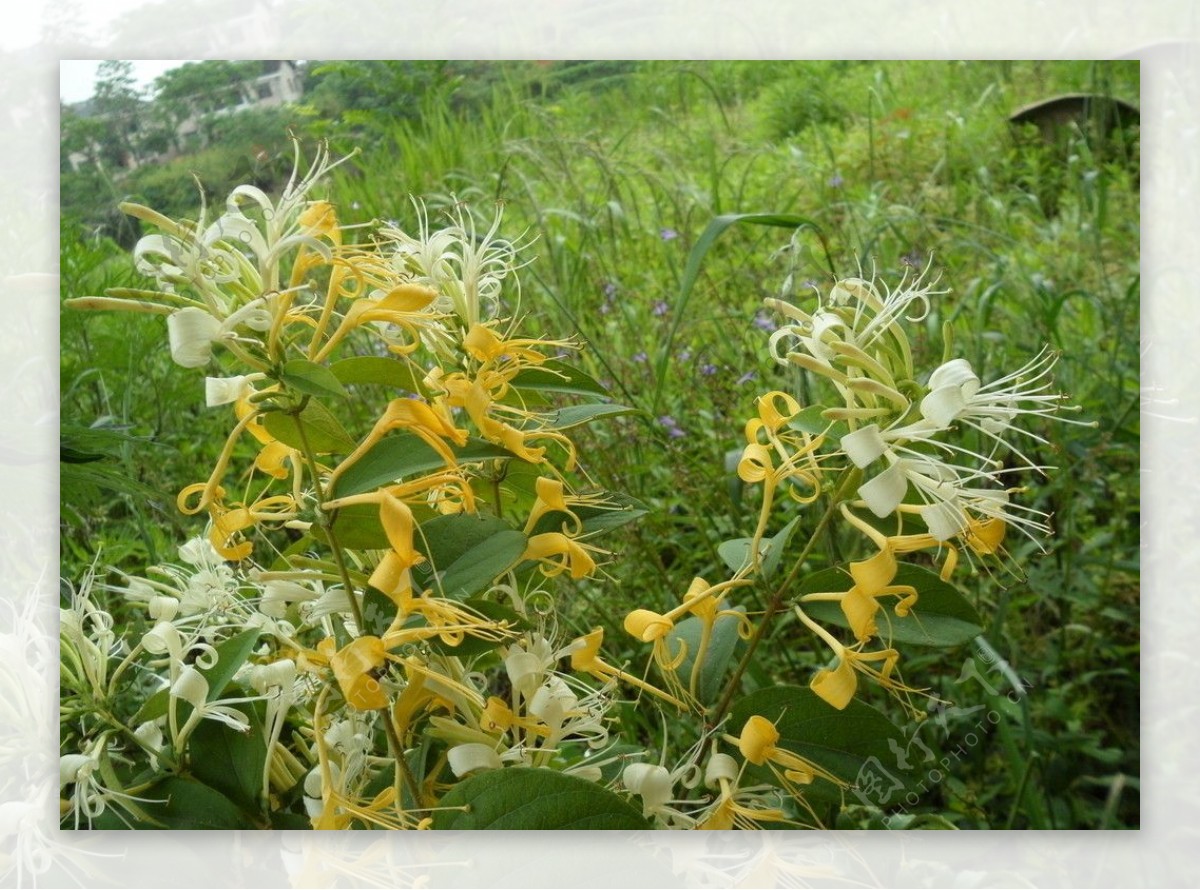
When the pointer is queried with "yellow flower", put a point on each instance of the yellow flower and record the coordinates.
(585, 657)
(573, 557)
(354, 666)
(758, 744)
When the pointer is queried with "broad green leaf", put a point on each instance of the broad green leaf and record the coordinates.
(191, 805)
(357, 527)
(229, 761)
(577, 415)
(378, 612)
(309, 377)
(323, 431)
(556, 376)
(375, 369)
(847, 743)
(443, 539)
(534, 799)
(404, 454)
(231, 655)
(811, 420)
(736, 553)
(942, 616)
(722, 642)
(474, 571)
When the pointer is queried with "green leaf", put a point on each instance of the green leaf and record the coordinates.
(357, 527)
(325, 434)
(311, 378)
(231, 655)
(191, 805)
(375, 369)
(840, 742)
(378, 612)
(811, 420)
(736, 553)
(556, 376)
(443, 539)
(229, 761)
(404, 454)
(942, 616)
(721, 645)
(534, 799)
(474, 571)
(577, 415)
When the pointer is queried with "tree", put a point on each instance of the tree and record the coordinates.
(119, 103)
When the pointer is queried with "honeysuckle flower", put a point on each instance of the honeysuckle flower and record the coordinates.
(90, 797)
(957, 396)
(585, 657)
(758, 744)
(837, 685)
(559, 553)
(354, 666)
(466, 269)
(741, 808)
(429, 422)
(226, 390)
(471, 756)
(552, 496)
(403, 307)
(705, 602)
(87, 641)
(192, 687)
(654, 784)
(872, 580)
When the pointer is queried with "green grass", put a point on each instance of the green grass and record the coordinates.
(616, 171)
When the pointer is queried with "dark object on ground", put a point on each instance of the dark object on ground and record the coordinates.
(1095, 116)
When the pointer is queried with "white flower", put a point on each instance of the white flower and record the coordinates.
(956, 395)
(226, 390)
(471, 756)
(192, 687)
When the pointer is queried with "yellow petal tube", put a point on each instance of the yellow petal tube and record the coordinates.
(647, 626)
(758, 739)
(836, 686)
(574, 556)
(398, 524)
(352, 666)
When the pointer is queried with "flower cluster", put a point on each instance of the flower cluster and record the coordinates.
(426, 537)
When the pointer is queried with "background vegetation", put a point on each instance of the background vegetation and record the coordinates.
(613, 169)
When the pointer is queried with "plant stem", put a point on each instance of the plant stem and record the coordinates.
(849, 479)
(310, 461)
(402, 768)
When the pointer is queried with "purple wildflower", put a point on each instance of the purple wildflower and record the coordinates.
(708, 369)
(668, 234)
(660, 308)
(745, 378)
(835, 181)
(640, 357)
(764, 322)
(673, 430)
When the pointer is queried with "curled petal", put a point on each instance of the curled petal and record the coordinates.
(647, 626)
(836, 686)
(191, 332)
(885, 492)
